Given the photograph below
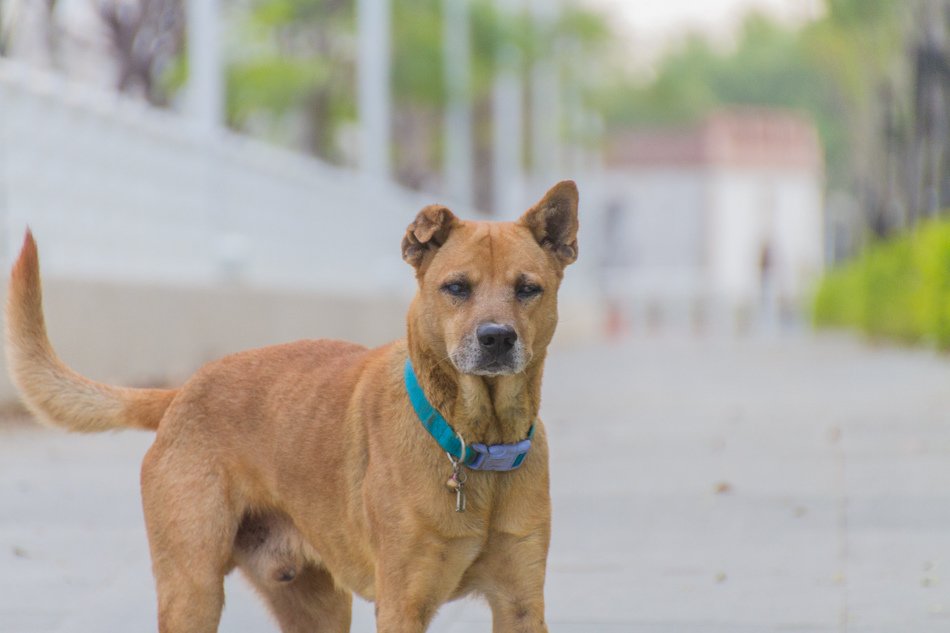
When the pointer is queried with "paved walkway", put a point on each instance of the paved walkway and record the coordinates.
(705, 487)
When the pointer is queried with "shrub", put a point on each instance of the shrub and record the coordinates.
(898, 289)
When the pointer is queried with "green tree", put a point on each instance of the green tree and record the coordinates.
(295, 62)
(296, 65)
(830, 68)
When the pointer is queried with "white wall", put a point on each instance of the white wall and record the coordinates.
(659, 237)
(691, 240)
(753, 207)
(800, 227)
(116, 191)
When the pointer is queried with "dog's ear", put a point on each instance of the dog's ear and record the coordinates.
(553, 221)
(427, 233)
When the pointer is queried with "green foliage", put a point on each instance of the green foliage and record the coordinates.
(417, 51)
(892, 288)
(281, 13)
(291, 57)
(768, 67)
(830, 68)
(862, 13)
(273, 84)
(297, 59)
(898, 289)
(839, 302)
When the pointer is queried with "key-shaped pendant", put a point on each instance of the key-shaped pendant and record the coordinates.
(457, 483)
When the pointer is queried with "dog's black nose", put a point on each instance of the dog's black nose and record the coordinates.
(496, 338)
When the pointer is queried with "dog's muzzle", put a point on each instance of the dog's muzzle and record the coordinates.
(492, 350)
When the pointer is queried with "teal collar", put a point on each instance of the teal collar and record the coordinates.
(476, 456)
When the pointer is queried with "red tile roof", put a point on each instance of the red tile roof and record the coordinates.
(737, 137)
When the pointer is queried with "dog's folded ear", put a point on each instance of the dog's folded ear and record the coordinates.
(427, 233)
(553, 221)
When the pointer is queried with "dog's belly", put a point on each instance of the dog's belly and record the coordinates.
(273, 551)
(270, 548)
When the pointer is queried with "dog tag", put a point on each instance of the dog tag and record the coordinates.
(456, 483)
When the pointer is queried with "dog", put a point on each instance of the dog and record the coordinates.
(319, 468)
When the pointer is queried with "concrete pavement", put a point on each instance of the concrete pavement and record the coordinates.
(699, 486)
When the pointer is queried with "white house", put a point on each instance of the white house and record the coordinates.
(720, 223)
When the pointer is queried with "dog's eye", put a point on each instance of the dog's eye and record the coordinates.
(527, 291)
(457, 289)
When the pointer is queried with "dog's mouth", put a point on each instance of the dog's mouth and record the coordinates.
(495, 368)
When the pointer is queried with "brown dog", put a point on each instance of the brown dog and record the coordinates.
(306, 464)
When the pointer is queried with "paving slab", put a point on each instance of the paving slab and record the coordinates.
(709, 486)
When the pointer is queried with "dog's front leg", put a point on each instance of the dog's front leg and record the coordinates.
(513, 580)
(415, 576)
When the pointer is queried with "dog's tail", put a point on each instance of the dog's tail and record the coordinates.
(56, 394)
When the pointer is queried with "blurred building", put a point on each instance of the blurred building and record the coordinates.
(720, 223)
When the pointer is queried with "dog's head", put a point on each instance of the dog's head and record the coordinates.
(487, 297)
